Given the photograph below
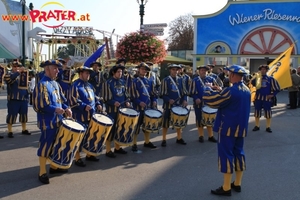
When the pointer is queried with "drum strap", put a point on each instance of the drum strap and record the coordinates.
(147, 93)
(175, 86)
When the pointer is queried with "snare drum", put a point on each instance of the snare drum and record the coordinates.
(152, 121)
(67, 141)
(208, 116)
(126, 125)
(96, 134)
(179, 117)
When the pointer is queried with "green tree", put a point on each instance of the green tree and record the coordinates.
(181, 33)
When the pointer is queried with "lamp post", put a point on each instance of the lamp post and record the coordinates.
(23, 3)
(142, 12)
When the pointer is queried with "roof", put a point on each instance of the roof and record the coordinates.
(174, 59)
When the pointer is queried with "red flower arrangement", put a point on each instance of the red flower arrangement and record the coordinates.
(138, 47)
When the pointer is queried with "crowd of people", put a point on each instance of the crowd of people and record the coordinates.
(57, 93)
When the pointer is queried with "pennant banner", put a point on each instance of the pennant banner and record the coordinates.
(280, 68)
(94, 56)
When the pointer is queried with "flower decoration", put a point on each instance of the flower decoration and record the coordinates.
(136, 47)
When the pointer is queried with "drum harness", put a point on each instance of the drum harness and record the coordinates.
(179, 97)
(147, 93)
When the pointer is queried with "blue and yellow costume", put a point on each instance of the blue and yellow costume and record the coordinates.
(17, 98)
(269, 86)
(175, 92)
(47, 97)
(196, 92)
(81, 95)
(95, 78)
(142, 90)
(231, 124)
(114, 90)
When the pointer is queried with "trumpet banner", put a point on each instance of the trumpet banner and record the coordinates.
(280, 68)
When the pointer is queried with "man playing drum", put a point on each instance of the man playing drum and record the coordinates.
(196, 91)
(115, 95)
(50, 105)
(84, 103)
(143, 97)
(172, 93)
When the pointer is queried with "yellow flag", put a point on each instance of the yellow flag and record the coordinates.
(280, 68)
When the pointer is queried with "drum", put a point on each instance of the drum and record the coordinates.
(96, 134)
(179, 117)
(127, 121)
(208, 116)
(152, 120)
(67, 142)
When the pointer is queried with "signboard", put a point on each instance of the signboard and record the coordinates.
(155, 29)
(155, 25)
(75, 30)
(155, 33)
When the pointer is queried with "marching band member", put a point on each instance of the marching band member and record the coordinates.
(95, 77)
(64, 77)
(114, 93)
(143, 96)
(196, 91)
(233, 103)
(17, 98)
(153, 77)
(172, 93)
(50, 105)
(84, 103)
(126, 76)
(263, 97)
(215, 76)
(186, 79)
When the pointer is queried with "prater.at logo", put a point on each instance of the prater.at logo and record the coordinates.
(59, 15)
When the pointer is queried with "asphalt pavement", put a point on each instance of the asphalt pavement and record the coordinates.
(174, 172)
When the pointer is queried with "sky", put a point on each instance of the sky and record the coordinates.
(123, 15)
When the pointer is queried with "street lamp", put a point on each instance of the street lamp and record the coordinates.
(23, 2)
(142, 11)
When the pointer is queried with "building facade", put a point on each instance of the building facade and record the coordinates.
(248, 33)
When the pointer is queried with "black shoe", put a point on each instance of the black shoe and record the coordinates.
(44, 179)
(212, 139)
(150, 145)
(57, 171)
(1, 137)
(221, 192)
(91, 158)
(120, 151)
(201, 139)
(236, 188)
(256, 128)
(110, 154)
(10, 135)
(26, 132)
(134, 148)
(164, 143)
(181, 141)
(80, 163)
(269, 130)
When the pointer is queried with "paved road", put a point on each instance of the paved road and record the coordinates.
(175, 172)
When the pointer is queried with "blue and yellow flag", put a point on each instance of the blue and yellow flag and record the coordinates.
(94, 56)
(280, 68)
